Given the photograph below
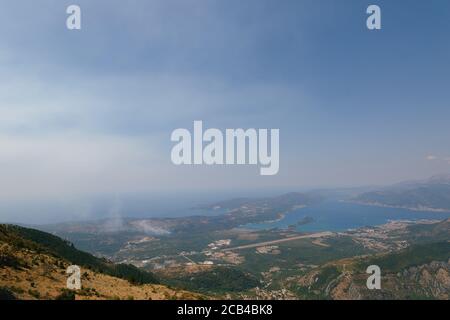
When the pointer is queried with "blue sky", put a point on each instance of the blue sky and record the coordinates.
(90, 112)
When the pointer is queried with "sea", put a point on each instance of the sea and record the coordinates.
(336, 215)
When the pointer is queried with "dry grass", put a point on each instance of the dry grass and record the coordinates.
(44, 277)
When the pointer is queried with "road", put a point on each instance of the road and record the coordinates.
(268, 243)
(187, 258)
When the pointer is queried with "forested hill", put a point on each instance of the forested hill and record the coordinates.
(33, 265)
(42, 242)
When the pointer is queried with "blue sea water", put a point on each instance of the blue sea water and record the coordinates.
(341, 216)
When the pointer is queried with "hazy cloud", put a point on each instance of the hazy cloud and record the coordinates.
(90, 113)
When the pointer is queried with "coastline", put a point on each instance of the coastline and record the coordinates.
(382, 205)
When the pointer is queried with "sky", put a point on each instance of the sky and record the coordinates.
(87, 114)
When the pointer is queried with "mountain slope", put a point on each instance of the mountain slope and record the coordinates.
(58, 247)
(418, 272)
(33, 266)
(431, 194)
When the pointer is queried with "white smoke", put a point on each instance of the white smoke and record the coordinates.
(115, 221)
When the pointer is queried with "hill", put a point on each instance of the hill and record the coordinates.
(418, 272)
(33, 266)
(212, 280)
(283, 202)
(432, 194)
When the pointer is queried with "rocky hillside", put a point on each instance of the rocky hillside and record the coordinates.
(33, 266)
(418, 272)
